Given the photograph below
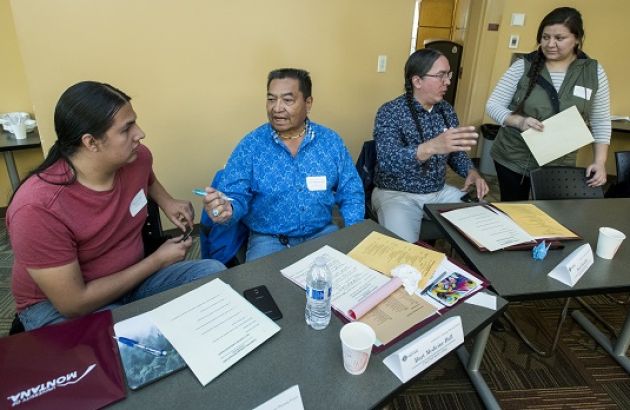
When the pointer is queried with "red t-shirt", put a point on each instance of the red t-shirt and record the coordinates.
(52, 225)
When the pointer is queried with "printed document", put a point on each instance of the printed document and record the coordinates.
(563, 133)
(490, 229)
(354, 282)
(383, 253)
(534, 221)
(212, 327)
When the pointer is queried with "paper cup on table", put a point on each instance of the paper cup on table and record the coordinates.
(19, 130)
(356, 342)
(608, 242)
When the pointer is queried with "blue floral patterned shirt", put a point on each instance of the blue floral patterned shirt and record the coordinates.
(397, 141)
(270, 187)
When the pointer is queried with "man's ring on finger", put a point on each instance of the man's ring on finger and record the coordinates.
(215, 212)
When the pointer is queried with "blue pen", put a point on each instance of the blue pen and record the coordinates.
(202, 192)
(134, 343)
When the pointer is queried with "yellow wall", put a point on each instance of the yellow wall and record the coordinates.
(607, 34)
(196, 69)
(13, 96)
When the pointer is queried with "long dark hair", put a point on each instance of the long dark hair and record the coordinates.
(572, 20)
(88, 107)
(418, 64)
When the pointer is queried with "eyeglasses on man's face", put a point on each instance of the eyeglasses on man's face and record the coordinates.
(442, 76)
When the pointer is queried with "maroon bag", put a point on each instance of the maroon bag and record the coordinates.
(74, 364)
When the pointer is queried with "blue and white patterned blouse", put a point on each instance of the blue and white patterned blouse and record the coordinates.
(269, 185)
(397, 141)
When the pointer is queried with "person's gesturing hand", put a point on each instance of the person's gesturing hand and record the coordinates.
(451, 140)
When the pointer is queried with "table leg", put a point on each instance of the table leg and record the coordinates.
(471, 364)
(11, 170)
(618, 350)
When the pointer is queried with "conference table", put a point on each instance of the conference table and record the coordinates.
(298, 355)
(621, 126)
(8, 144)
(516, 276)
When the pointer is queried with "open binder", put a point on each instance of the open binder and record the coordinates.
(507, 226)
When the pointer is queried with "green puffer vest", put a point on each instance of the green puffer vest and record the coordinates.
(509, 148)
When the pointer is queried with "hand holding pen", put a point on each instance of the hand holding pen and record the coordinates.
(216, 203)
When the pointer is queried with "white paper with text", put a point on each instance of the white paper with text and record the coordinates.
(352, 281)
(212, 327)
(490, 229)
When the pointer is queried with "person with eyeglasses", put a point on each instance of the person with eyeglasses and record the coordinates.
(417, 135)
(556, 76)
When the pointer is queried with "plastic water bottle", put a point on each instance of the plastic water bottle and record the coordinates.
(318, 294)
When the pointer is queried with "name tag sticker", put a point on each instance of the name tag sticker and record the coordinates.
(416, 356)
(582, 92)
(316, 183)
(137, 203)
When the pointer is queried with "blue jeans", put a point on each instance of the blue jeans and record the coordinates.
(44, 313)
(260, 245)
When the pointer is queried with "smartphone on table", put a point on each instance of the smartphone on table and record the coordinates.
(261, 298)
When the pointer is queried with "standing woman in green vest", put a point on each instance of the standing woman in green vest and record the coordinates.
(551, 79)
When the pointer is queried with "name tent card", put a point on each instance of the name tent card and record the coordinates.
(571, 269)
(427, 349)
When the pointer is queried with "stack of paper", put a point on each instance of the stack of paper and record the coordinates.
(353, 283)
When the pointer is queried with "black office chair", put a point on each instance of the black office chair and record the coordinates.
(549, 183)
(622, 162)
(562, 183)
(621, 187)
(152, 236)
(366, 163)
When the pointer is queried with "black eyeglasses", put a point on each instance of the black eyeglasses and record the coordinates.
(441, 76)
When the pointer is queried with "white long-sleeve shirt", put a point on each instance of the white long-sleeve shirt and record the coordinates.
(497, 105)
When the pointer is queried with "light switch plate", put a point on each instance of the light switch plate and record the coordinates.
(513, 41)
(518, 19)
(381, 66)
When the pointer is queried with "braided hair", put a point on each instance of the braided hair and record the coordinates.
(572, 20)
(418, 64)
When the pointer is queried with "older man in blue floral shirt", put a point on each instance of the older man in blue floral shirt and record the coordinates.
(284, 178)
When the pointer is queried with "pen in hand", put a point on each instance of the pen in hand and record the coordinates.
(202, 192)
(134, 343)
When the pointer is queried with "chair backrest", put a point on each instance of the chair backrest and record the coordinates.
(221, 242)
(152, 234)
(365, 167)
(562, 183)
(622, 160)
